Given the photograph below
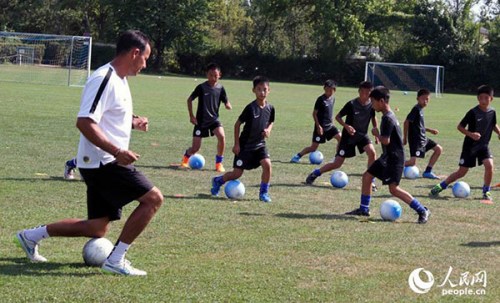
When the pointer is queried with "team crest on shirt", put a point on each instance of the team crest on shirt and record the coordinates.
(198, 132)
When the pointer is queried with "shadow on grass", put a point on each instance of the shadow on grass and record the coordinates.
(340, 217)
(481, 244)
(207, 197)
(22, 267)
(173, 166)
(316, 216)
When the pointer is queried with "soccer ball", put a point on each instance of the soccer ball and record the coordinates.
(96, 250)
(461, 189)
(234, 189)
(316, 157)
(196, 161)
(339, 179)
(411, 172)
(390, 210)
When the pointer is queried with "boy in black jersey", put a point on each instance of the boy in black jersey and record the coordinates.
(389, 167)
(324, 130)
(250, 148)
(359, 113)
(414, 134)
(206, 122)
(477, 126)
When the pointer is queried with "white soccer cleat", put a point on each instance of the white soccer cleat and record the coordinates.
(69, 172)
(29, 247)
(123, 268)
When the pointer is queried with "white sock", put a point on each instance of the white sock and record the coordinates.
(36, 234)
(118, 253)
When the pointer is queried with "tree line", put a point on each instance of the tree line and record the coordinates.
(300, 40)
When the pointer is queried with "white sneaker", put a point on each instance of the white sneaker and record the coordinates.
(122, 268)
(69, 172)
(29, 247)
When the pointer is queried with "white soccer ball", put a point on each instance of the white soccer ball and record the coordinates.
(390, 210)
(234, 189)
(316, 157)
(411, 172)
(196, 161)
(96, 250)
(461, 189)
(339, 179)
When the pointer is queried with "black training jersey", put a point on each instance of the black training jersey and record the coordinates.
(209, 99)
(256, 119)
(416, 129)
(324, 108)
(479, 121)
(389, 127)
(358, 116)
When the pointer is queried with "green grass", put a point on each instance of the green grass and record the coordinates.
(299, 248)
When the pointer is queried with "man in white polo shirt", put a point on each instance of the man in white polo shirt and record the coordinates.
(105, 162)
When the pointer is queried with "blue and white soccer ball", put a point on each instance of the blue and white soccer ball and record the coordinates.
(461, 189)
(339, 179)
(96, 251)
(196, 161)
(316, 157)
(390, 210)
(234, 189)
(411, 172)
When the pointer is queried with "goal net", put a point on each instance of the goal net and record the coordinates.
(44, 59)
(406, 77)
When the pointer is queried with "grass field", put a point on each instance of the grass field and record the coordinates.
(299, 248)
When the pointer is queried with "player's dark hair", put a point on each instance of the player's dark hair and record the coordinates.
(365, 84)
(423, 92)
(260, 79)
(485, 89)
(380, 92)
(212, 65)
(131, 39)
(330, 83)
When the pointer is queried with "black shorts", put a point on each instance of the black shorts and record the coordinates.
(112, 186)
(387, 172)
(327, 135)
(417, 150)
(250, 159)
(204, 132)
(348, 144)
(468, 158)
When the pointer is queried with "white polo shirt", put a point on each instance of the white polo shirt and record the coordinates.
(105, 99)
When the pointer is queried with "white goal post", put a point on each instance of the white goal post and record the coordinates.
(45, 58)
(406, 77)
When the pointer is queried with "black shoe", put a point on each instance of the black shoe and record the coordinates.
(310, 179)
(359, 212)
(423, 217)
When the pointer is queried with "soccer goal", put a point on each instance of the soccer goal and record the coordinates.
(45, 59)
(406, 77)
